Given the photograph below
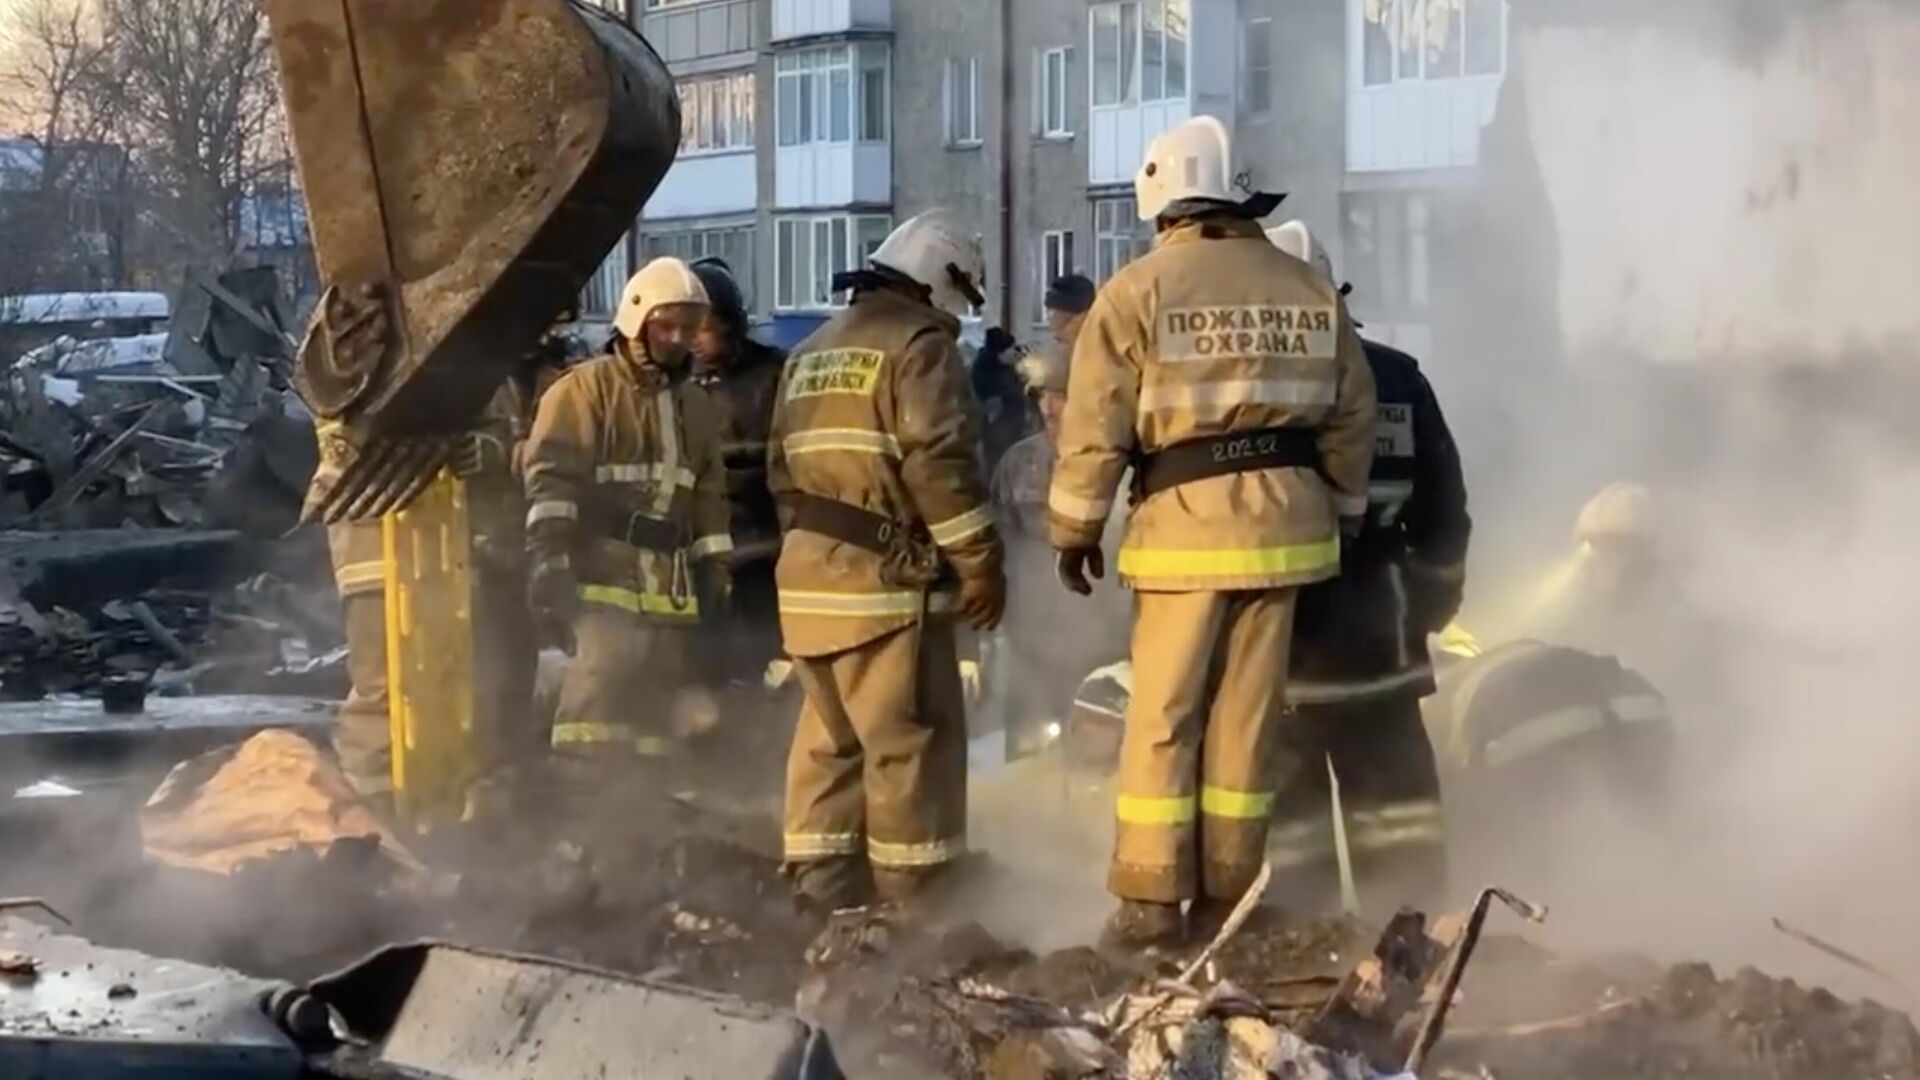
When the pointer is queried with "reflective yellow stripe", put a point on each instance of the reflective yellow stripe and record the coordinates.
(1148, 810)
(956, 529)
(1226, 803)
(820, 845)
(361, 577)
(643, 474)
(1233, 393)
(856, 605)
(552, 510)
(1229, 562)
(844, 440)
(1077, 508)
(931, 853)
(706, 546)
(590, 733)
(640, 603)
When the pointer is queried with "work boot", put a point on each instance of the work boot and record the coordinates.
(824, 886)
(1142, 924)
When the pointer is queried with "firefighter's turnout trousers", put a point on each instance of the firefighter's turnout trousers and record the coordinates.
(362, 733)
(1197, 762)
(878, 766)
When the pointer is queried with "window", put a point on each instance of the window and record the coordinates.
(1119, 236)
(1409, 32)
(1051, 109)
(1139, 51)
(602, 292)
(1388, 252)
(1056, 261)
(818, 99)
(1486, 37)
(716, 113)
(809, 251)
(734, 243)
(1377, 42)
(963, 102)
(1256, 66)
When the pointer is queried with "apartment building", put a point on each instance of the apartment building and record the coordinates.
(810, 127)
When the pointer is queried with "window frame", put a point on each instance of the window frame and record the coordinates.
(821, 95)
(809, 249)
(967, 99)
(1130, 83)
(717, 111)
(1265, 70)
(1053, 92)
(1119, 236)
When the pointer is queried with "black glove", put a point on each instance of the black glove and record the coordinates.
(553, 594)
(1076, 564)
(983, 599)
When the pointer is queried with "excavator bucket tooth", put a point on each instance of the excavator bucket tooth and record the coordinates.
(467, 165)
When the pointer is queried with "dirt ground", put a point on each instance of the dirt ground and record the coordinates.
(670, 869)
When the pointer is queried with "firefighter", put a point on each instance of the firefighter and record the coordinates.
(1360, 664)
(875, 460)
(741, 375)
(1229, 375)
(627, 523)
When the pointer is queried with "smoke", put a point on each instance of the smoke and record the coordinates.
(1726, 220)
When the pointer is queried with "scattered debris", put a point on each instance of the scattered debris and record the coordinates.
(1837, 953)
(14, 965)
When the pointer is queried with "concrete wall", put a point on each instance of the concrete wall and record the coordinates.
(1050, 175)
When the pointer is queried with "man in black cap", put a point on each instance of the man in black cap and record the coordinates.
(742, 375)
(1068, 300)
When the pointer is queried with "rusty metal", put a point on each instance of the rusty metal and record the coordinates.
(470, 163)
(1436, 1018)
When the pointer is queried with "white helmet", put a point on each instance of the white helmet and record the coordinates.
(660, 283)
(1297, 240)
(1192, 160)
(936, 251)
(1622, 511)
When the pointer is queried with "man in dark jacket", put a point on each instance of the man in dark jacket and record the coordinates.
(1360, 662)
(742, 375)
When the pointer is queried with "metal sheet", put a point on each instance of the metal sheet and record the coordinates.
(484, 1016)
(182, 1020)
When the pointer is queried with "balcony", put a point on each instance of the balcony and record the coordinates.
(701, 185)
(1120, 134)
(1419, 125)
(688, 32)
(833, 174)
(795, 20)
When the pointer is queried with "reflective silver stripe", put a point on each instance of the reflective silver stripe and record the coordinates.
(1305, 692)
(1415, 822)
(707, 546)
(1076, 508)
(653, 473)
(907, 856)
(1638, 708)
(552, 510)
(1539, 733)
(1451, 575)
(1233, 393)
(820, 845)
(956, 529)
(843, 440)
(1348, 506)
(669, 452)
(1386, 492)
(794, 602)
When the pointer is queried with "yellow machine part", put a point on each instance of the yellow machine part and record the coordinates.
(429, 567)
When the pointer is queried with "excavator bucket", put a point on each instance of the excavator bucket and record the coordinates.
(467, 166)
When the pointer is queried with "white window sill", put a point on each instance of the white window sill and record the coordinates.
(731, 151)
(966, 144)
(1054, 137)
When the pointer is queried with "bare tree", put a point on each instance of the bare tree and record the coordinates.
(62, 210)
(197, 102)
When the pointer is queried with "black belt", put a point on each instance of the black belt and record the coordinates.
(1224, 455)
(639, 530)
(909, 553)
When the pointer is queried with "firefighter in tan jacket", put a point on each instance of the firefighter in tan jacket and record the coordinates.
(627, 521)
(874, 459)
(1228, 375)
